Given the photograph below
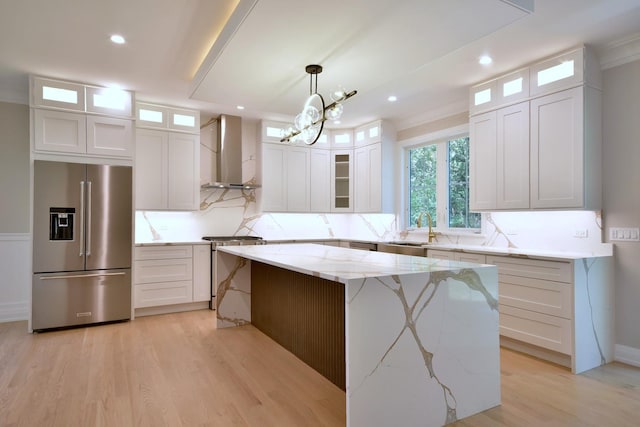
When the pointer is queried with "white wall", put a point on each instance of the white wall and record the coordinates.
(14, 215)
(621, 191)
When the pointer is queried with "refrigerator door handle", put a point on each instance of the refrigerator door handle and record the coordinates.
(81, 222)
(79, 276)
(88, 218)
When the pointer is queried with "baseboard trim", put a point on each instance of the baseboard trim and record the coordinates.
(175, 308)
(628, 355)
(14, 311)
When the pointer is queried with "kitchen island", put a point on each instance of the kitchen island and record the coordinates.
(419, 338)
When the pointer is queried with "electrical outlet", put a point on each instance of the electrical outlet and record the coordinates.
(628, 234)
(581, 233)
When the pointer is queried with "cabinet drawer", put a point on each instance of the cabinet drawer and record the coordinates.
(438, 254)
(553, 333)
(557, 271)
(163, 252)
(165, 270)
(165, 293)
(541, 296)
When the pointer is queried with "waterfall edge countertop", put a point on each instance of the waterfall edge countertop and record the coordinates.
(341, 264)
(415, 329)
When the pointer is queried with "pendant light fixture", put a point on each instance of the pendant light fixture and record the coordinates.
(308, 125)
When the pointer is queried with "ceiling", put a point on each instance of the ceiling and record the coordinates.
(216, 54)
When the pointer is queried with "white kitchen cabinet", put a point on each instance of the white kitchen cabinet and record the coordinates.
(274, 177)
(285, 178)
(499, 166)
(548, 149)
(109, 136)
(483, 161)
(59, 131)
(320, 185)
(153, 116)
(341, 139)
(163, 275)
(71, 118)
(566, 144)
(298, 179)
(341, 180)
(368, 134)
(556, 309)
(201, 273)
(77, 133)
(373, 177)
(171, 274)
(512, 149)
(456, 256)
(167, 170)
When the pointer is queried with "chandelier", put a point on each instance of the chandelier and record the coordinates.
(308, 125)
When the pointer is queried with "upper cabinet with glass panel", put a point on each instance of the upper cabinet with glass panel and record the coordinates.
(564, 71)
(165, 117)
(78, 97)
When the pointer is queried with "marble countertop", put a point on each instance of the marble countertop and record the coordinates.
(341, 264)
(607, 250)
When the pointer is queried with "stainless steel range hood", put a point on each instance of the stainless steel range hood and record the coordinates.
(229, 155)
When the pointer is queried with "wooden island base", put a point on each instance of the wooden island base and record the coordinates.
(302, 313)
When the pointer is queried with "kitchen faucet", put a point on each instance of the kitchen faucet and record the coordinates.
(431, 234)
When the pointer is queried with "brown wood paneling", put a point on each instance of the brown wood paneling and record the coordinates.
(304, 314)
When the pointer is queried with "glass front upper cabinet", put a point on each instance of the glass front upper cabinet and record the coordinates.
(561, 72)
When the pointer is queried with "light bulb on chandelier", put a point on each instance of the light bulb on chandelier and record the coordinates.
(308, 125)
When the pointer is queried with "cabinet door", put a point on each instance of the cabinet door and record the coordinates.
(341, 181)
(274, 174)
(513, 157)
(108, 136)
(151, 169)
(60, 131)
(482, 165)
(367, 183)
(183, 172)
(320, 185)
(201, 273)
(557, 160)
(298, 176)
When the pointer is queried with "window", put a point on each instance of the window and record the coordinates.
(439, 185)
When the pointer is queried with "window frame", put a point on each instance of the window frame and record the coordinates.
(440, 139)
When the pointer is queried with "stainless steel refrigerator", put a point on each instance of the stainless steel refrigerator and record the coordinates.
(82, 238)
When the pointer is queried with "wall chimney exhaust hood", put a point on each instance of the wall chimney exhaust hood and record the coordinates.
(229, 155)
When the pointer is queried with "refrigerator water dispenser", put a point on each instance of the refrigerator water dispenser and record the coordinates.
(61, 223)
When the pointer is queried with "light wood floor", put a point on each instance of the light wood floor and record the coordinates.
(178, 370)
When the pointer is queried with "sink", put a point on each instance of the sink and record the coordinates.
(405, 243)
(402, 247)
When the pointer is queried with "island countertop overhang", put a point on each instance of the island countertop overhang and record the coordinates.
(341, 264)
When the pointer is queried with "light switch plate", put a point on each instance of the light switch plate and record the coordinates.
(624, 234)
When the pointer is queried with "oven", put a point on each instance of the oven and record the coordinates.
(217, 241)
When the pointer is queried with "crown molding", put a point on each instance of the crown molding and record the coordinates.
(621, 52)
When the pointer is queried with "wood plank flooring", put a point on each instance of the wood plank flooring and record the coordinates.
(178, 370)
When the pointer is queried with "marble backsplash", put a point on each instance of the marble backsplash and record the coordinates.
(237, 212)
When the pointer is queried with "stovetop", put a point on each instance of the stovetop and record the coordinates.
(231, 238)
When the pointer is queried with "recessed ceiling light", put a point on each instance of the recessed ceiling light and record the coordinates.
(117, 39)
(485, 60)
(336, 122)
(240, 107)
(392, 98)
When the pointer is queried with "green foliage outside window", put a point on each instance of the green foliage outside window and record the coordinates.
(459, 215)
(423, 177)
(422, 182)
